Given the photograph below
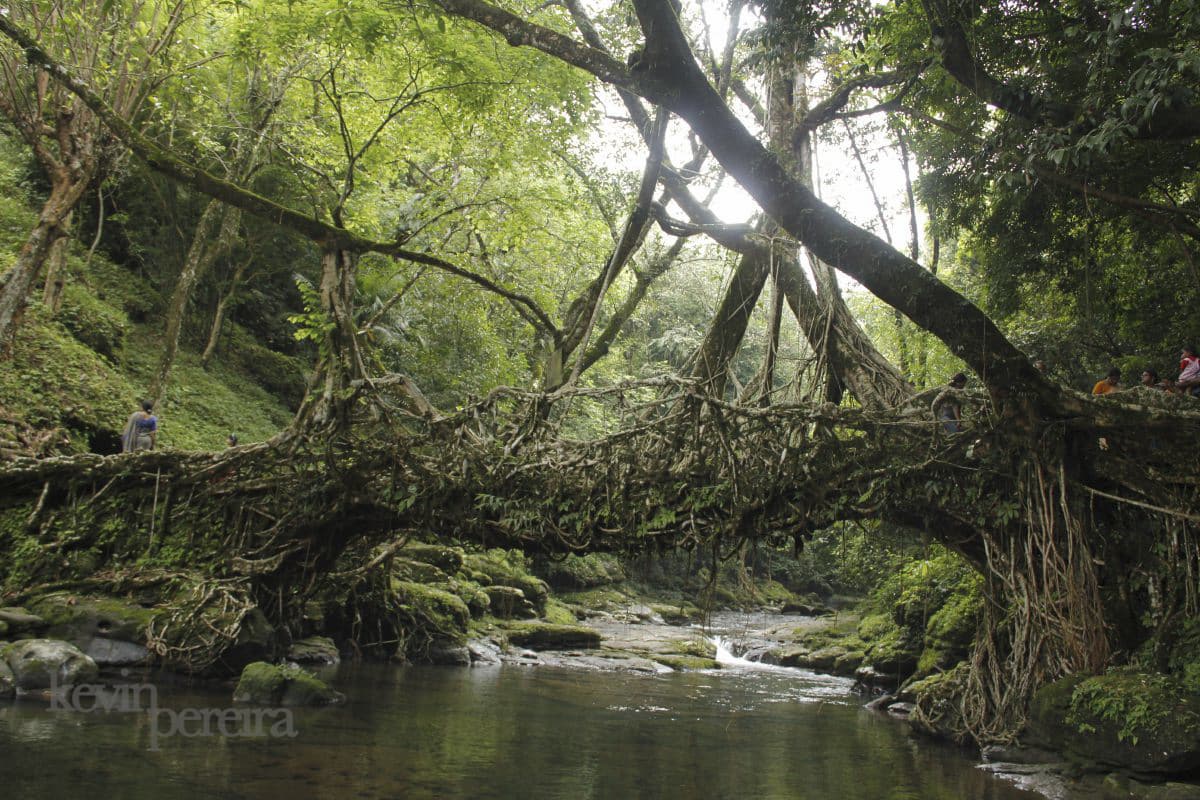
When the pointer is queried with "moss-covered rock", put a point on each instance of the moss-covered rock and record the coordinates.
(605, 598)
(583, 572)
(439, 613)
(79, 619)
(697, 648)
(687, 663)
(304, 689)
(507, 602)
(950, 633)
(43, 663)
(448, 559)
(260, 683)
(272, 685)
(508, 568)
(479, 604)
(559, 613)
(937, 700)
(678, 614)
(546, 636)
(18, 621)
(1147, 723)
(407, 569)
(890, 649)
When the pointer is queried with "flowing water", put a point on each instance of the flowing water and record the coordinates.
(499, 732)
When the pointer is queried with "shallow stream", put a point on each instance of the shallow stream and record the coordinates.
(499, 732)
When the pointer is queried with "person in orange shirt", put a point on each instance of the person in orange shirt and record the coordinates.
(1109, 383)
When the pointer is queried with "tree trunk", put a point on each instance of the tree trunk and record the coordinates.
(200, 256)
(214, 332)
(50, 227)
(728, 326)
(56, 270)
(340, 369)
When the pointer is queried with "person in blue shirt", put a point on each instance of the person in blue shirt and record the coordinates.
(141, 430)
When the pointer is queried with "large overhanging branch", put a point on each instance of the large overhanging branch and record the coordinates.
(959, 61)
(666, 73)
(831, 107)
(324, 234)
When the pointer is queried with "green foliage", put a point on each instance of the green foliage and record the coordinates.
(55, 381)
(1184, 659)
(1135, 702)
(92, 321)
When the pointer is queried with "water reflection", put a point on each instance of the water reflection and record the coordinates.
(507, 732)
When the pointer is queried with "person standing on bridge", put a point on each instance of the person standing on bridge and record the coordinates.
(1109, 383)
(141, 430)
(1189, 371)
(947, 406)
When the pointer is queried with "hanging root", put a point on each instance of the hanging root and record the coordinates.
(204, 620)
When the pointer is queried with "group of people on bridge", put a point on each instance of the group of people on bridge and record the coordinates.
(947, 405)
(1188, 382)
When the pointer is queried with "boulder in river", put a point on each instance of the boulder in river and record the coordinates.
(288, 685)
(448, 654)
(43, 663)
(545, 636)
(111, 632)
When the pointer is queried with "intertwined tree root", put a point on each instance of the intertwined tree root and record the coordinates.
(670, 467)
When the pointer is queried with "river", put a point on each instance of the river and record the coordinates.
(499, 732)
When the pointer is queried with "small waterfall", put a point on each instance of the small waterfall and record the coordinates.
(726, 658)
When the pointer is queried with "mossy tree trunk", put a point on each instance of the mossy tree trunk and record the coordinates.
(51, 226)
(340, 368)
(56, 271)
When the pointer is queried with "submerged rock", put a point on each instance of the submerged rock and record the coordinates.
(42, 663)
(289, 685)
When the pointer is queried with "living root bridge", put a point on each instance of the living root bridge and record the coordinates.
(1071, 527)
(672, 468)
